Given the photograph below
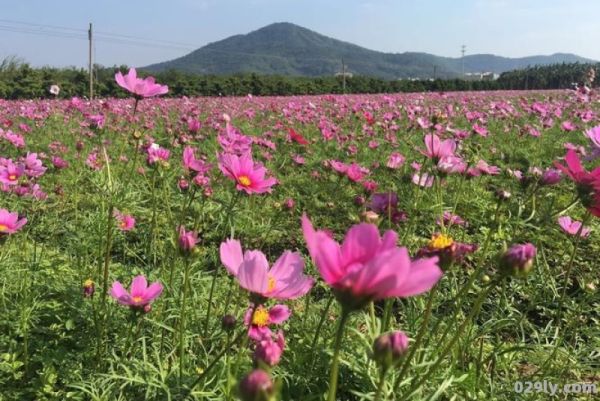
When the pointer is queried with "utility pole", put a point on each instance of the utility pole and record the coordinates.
(90, 66)
(343, 77)
(434, 72)
(463, 50)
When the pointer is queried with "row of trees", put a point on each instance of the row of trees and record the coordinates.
(18, 80)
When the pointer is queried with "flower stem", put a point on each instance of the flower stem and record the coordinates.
(182, 315)
(319, 327)
(419, 339)
(380, 385)
(335, 363)
(450, 344)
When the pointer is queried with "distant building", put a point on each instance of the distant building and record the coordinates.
(481, 76)
(341, 74)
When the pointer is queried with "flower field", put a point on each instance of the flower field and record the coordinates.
(379, 247)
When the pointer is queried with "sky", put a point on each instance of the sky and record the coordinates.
(164, 30)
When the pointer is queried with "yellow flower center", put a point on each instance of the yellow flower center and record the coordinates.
(440, 241)
(12, 177)
(260, 317)
(88, 283)
(271, 284)
(123, 224)
(244, 180)
(3, 227)
(137, 299)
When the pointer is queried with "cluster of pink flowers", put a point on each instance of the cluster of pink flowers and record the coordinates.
(20, 177)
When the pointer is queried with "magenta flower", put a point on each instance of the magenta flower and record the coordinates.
(190, 163)
(125, 222)
(157, 154)
(187, 239)
(485, 168)
(451, 165)
(436, 149)
(423, 180)
(518, 259)
(269, 351)
(10, 173)
(248, 175)
(10, 222)
(396, 160)
(285, 280)
(588, 183)
(572, 227)
(257, 386)
(141, 294)
(33, 165)
(262, 318)
(368, 267)
(140, 87)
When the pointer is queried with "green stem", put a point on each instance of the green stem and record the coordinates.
(214, 362)
(182, 315)
(109, 227)
(380, 385)
(446, 350)
(419, 339)
(320, 326)
(335, 363)
(210, 298)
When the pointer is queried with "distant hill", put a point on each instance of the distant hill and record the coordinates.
(288, 49)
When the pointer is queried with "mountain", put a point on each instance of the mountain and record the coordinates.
(288, 49)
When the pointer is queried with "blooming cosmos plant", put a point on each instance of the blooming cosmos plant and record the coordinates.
(248, 175)
(140, 295)
(10, 222)
(573, 227)
(588, 183)
(140, 87)
(284, 280)
(368, 267)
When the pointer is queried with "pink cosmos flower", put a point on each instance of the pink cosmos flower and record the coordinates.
(157, 154)
(187, 239)
(140, 87)
(125, 222)
(451, 165)
(568, 126)
(268, 350)
(588, 183)
(33, 165)
(10, 222)
(284, 280)
(423, 180)
(396, 160)
(248, 175)
(436, 149)
(485, 168)
(572, 227)
(480, 130)
(191, 163)
(262, 318)
(17, 140)
(141, 294)
(10, 173)
(368, 267)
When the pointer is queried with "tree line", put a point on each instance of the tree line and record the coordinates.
(18, 80)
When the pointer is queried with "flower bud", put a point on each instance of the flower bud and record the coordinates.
(389, 348)
(187, 240)
(257, 386)
(518, 260)
(228, 322)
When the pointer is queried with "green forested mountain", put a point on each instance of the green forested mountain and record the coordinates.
(288, 49)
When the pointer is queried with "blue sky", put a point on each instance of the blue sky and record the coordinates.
(504, 27)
